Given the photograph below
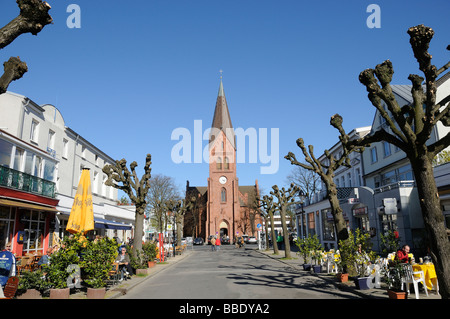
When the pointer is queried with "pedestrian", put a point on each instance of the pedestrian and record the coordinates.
(213, 243)
(279, 241)
(218, 243)
(403, 254)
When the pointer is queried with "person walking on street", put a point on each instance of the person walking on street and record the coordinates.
(213, 243)
(218, 243)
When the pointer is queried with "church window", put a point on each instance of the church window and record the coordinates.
(219, 163)
(227, 163)
(224, 195)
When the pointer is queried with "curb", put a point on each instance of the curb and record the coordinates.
(120, 291)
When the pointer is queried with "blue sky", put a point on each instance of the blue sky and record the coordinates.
(136, 70)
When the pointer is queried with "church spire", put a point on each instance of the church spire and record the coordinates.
(222, 119)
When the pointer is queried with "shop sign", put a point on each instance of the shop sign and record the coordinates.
(6, 263)
(361, 211)
(390, 206)
(330, 216)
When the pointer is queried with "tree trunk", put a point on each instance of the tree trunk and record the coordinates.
(274, 239)
(287, 247)
(138, 229)
(434, 222)
(266, 228)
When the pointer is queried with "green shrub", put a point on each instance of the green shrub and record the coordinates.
(97, 259)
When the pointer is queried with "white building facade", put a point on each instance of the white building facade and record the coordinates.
(44, 147)
(386, 198)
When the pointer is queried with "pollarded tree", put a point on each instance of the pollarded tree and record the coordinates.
(410, 127)
(121, 178)
(285, 198)
(270, 208)
(32, 19)
(325, 170)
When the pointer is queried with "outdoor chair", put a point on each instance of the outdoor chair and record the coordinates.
(410, 277)
(114, 273)
(11, 287)
(331, 264)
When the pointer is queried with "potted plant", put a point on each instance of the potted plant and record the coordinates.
(394, 281)
(56, 270)
(57, 274)
(150, 250)
(32, 284)
(139, 262)
(315, 249)
(98, 257)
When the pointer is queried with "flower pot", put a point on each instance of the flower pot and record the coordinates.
(151, 264)
(59, 293)
(96, 293)
(30, 294)
(317, 268)
(142, 271)
(307, 267)
(397, 294)
(362, 283)
(342, 277)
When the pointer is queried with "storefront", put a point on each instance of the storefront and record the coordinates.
(26, 226)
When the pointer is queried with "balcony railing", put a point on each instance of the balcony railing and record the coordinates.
(26, 182)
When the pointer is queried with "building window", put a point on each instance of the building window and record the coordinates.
(227, 163)
(83, 152)
(358, 177)
(104, 186)
(34, 225)
(65, 148)
(34, 131)
(373, 154)
(18, 160)
(5, 153)
(405, 173)
(6, 227)
(223, 195)
(51, 140)
(387, 149)
(95, 183)
(49, 171)
(219, 163)
(349, 177)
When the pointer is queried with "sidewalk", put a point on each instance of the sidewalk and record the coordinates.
(375, 293)
(123, 287)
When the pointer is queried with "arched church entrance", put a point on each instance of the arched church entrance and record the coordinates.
(223, 229)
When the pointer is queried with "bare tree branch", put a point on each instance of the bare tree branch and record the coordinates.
(32, 19)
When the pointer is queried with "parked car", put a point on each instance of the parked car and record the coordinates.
(198, 241)
(183, 241)
(225, 241)
(189, 240)
(209, 239)
(252, 240)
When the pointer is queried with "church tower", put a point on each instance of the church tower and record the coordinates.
(223, 201)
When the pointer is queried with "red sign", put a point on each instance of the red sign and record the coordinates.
(360, 211)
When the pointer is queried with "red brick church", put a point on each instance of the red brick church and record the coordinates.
(222, 207)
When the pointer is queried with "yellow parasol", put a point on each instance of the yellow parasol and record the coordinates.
(81, 218)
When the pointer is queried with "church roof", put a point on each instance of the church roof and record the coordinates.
(222, 120)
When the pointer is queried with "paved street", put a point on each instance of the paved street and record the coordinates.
(234, 274)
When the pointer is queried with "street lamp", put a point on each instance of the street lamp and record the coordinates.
(302, 196)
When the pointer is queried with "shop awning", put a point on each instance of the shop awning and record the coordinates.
(109, 224)
(37, 207)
